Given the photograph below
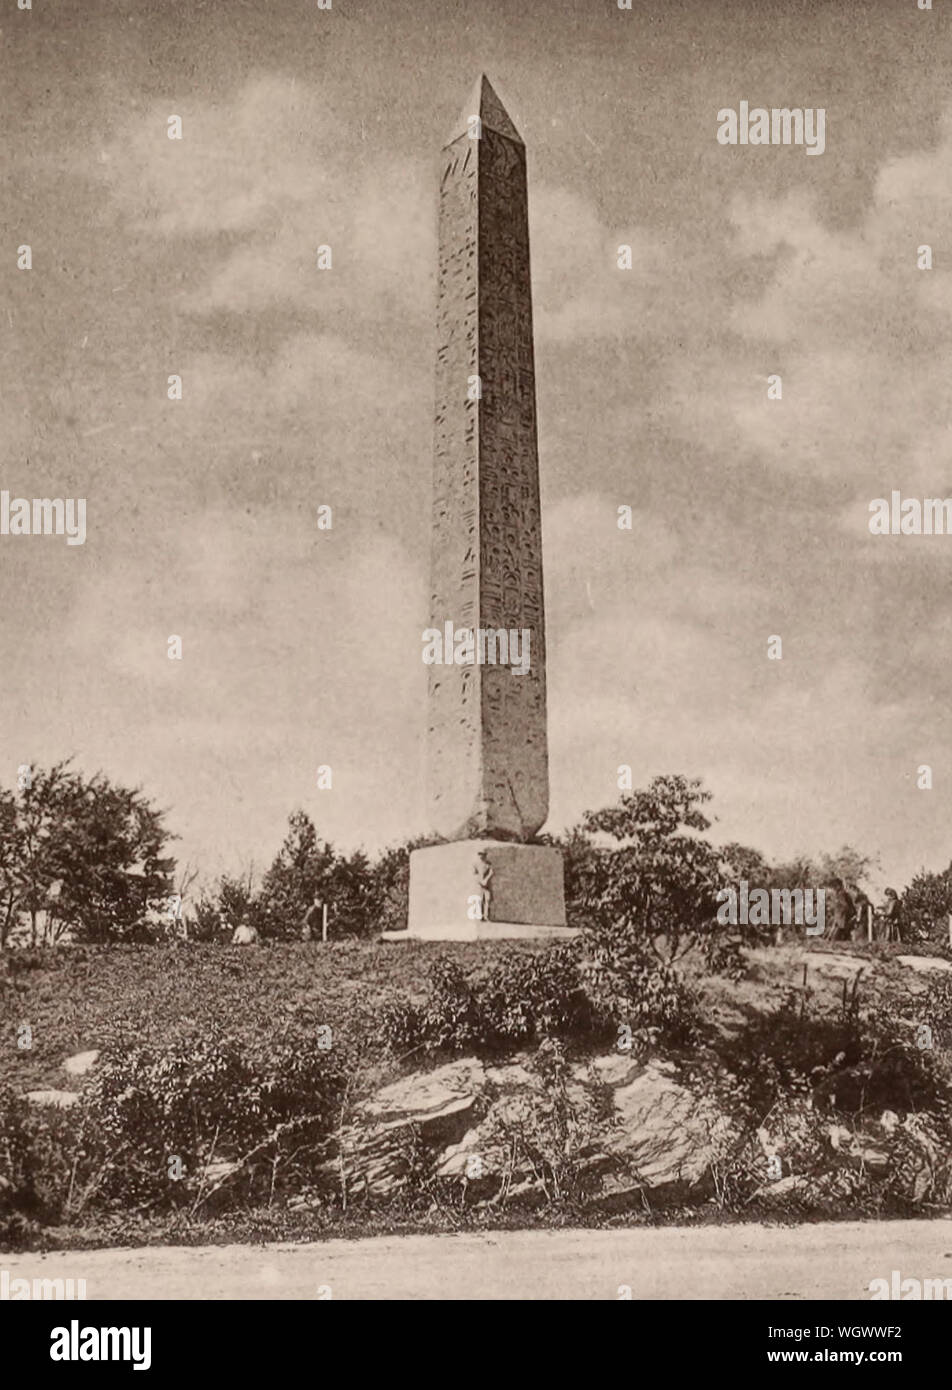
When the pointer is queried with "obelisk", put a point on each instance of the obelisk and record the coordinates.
(488, 778)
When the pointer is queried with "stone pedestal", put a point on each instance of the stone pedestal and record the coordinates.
(526, 893)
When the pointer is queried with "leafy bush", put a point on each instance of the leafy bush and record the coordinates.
(627, 985)
(530, 996)
(926, 905)
(842, 1059)
(582, 991)
(548, 1131)
(207, 1101)
(935, 1011)
(722, 955)
(41, 1152)
(804, 1161)
(854, 1113)
(16, 1169)
(165, 1127)
(463, 1011)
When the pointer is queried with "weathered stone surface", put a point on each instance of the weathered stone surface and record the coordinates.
(793, 1185)
(657, 1137)
(61, 1099)
(617, 1068)
(923, 964)
(840, 964)
(438, 1105)
(509, 1076)
(487, 753)
(840, 1137)
(80, 1063)
(218, 1171)
(426, 1095)
(512, 1086)
(460, 1111)
(858, 1144)
(660, 1132)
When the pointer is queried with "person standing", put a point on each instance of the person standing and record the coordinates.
(483, 872)
(892, 916)
(312, 921)
(861, 910)
(840, 919)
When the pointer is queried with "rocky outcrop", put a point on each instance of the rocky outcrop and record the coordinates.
(81, 1063)
(465, 1121)
(923, 964)
(429, 1109)
(61, 1099)
(660, 1133)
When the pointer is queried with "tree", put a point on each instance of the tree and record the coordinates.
(10, 857)
(391, 884)
(238, 902)
(302, 870)
(362, 898)
(739, 862)
(42, 819)
(207, 923)
(661, 883)
(112, 862)
(83, 858)
(927, 903)
(352, 897)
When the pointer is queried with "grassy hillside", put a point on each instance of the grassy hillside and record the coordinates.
(85, 997)
(79, 998)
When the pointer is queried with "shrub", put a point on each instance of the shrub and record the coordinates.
(935, 1010)
(401, 1026)
(452, 1018)
(548, 1131)
(163, 1127)
(576, 992)
(826, 1167)
(844, 1059)
(41, 1153)
(518, 1000)
(17, 1173)
(629, 986)
(529, 996)
(722, 955)
(854, 1111)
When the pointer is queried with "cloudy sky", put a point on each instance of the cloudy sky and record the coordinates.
(300, 388)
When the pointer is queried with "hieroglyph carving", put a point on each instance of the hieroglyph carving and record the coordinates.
(487, 753)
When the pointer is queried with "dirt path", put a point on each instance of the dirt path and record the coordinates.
(735, 1262)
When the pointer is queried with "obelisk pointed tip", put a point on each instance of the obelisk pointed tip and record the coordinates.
(484, 105)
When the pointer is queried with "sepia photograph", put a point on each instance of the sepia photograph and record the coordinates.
(475, 575)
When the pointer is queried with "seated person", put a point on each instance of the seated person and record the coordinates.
(245, 934)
